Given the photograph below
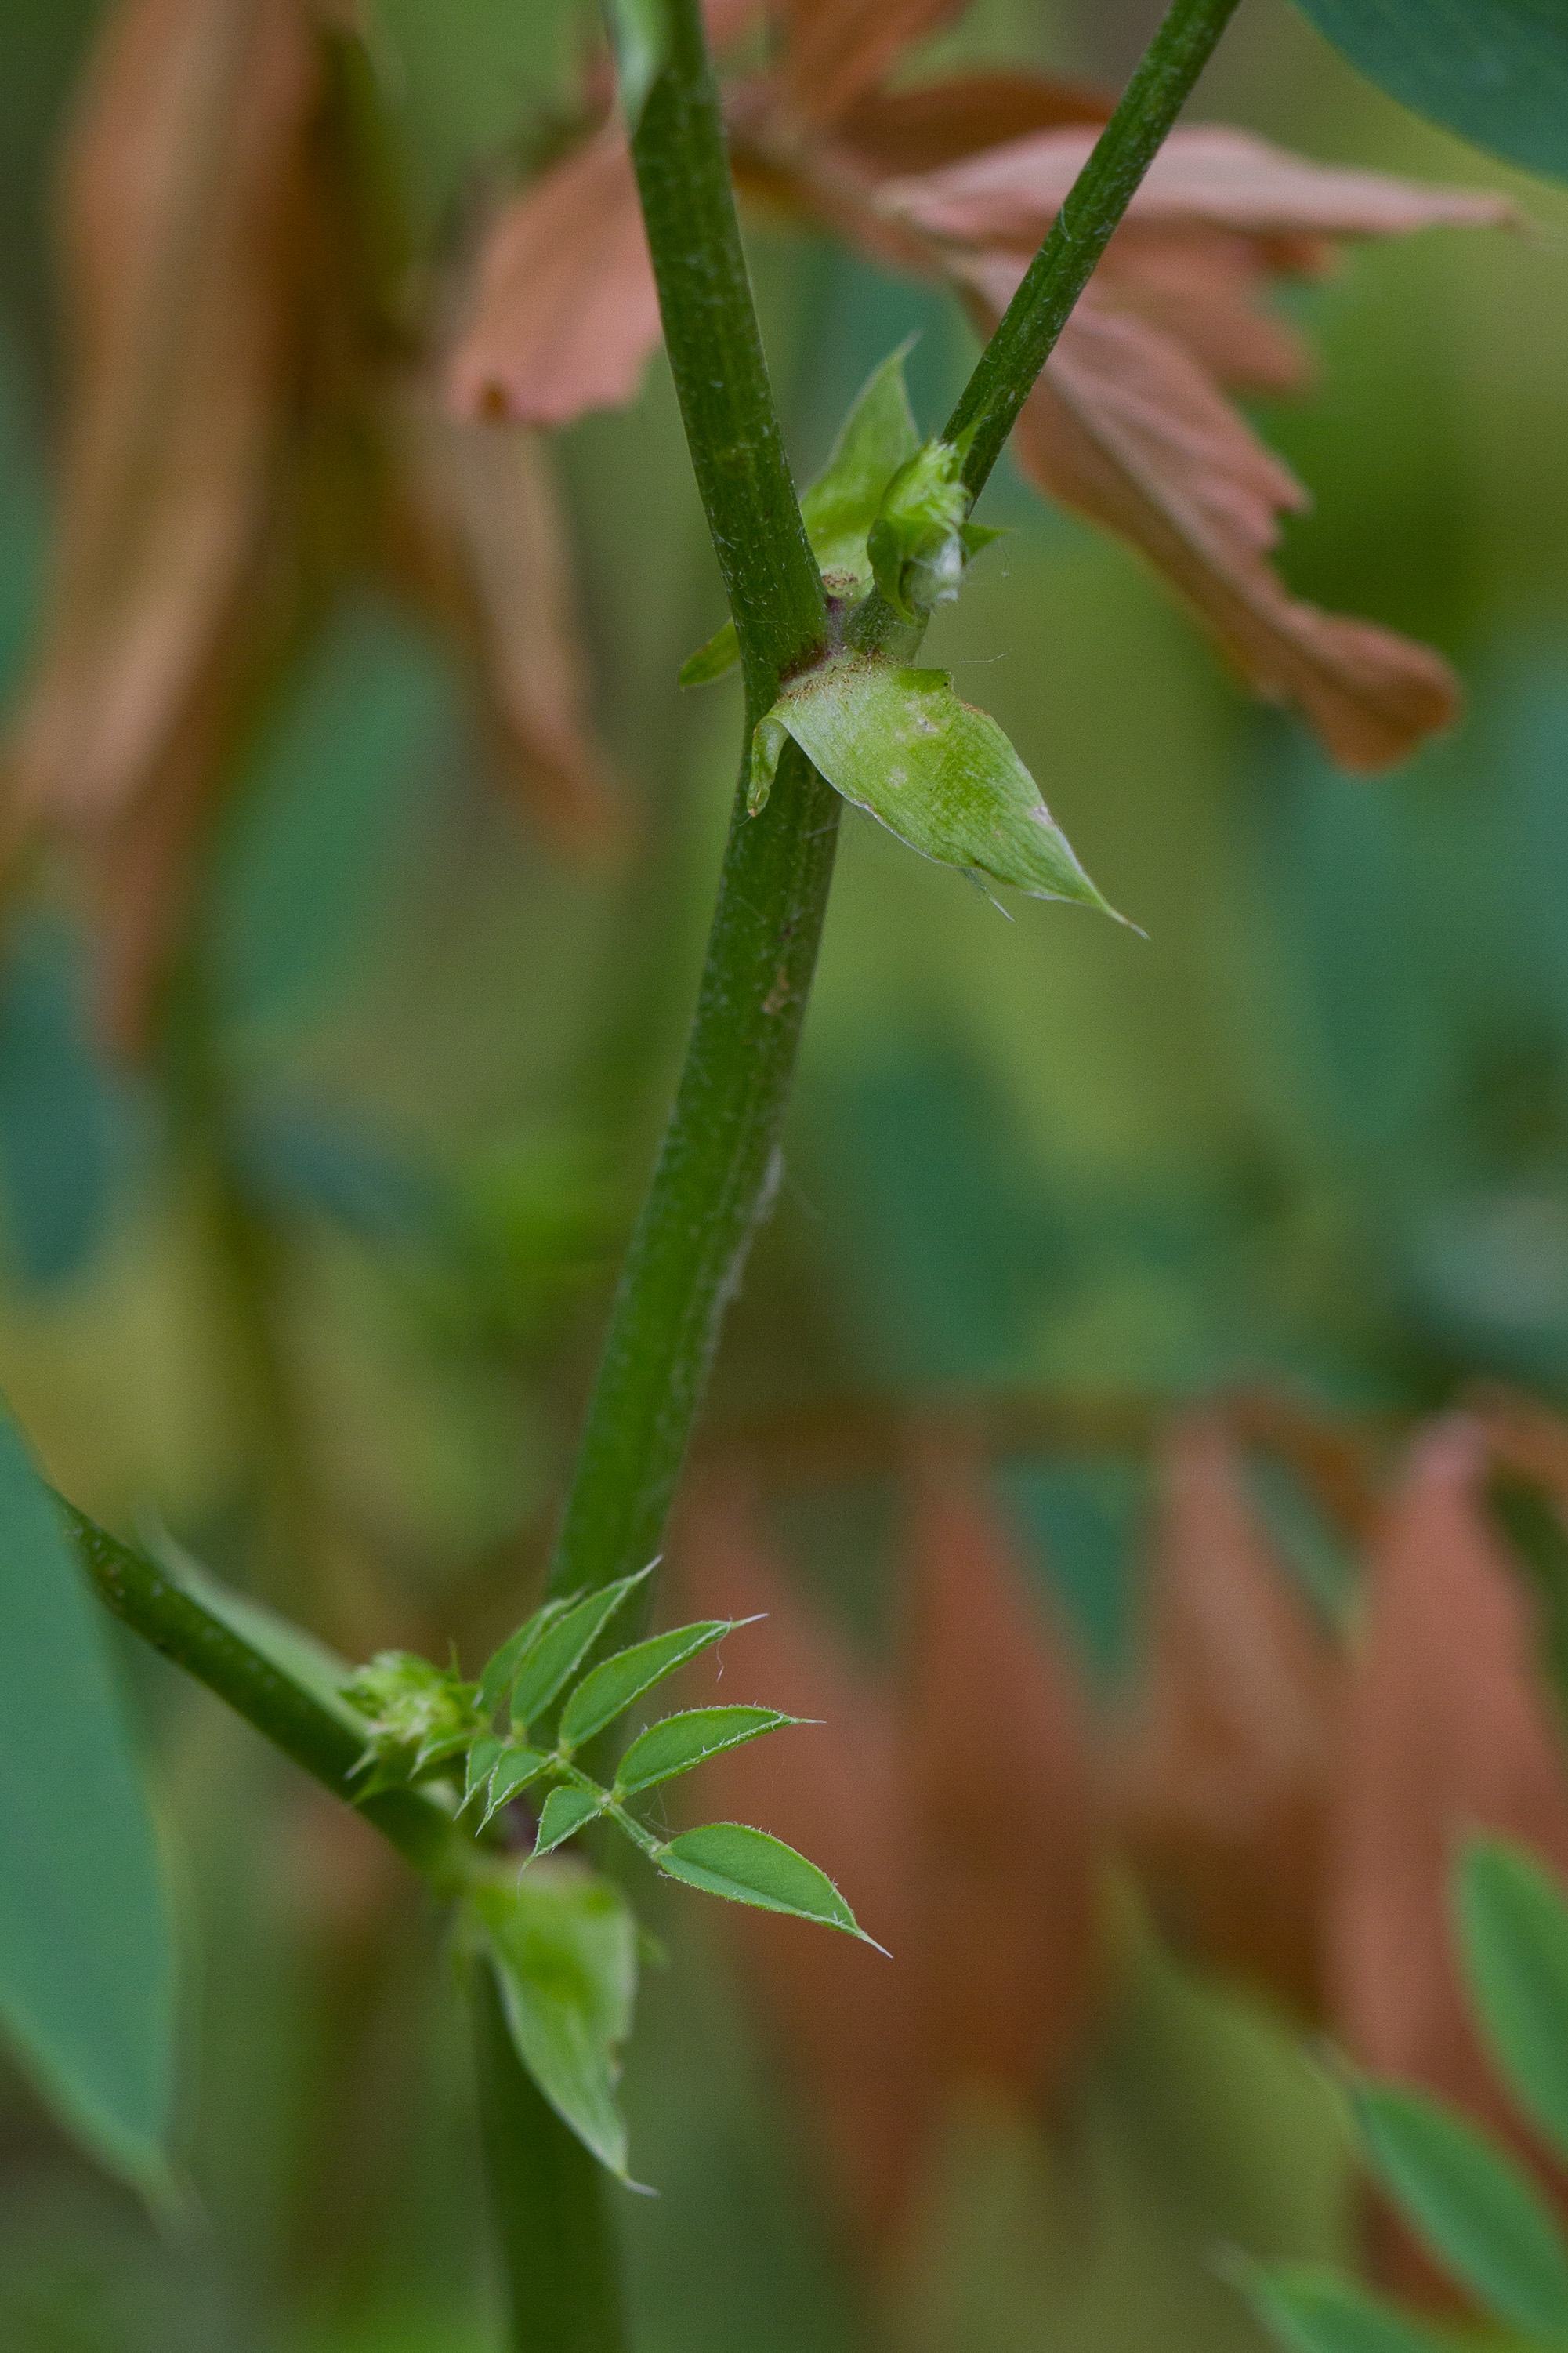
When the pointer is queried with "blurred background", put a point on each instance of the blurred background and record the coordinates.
(313, 1277)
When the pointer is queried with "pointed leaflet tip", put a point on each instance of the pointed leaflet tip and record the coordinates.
(749, 1866)
(612, 1687)
(941, 775)
(550, 1663)
(566, 1811)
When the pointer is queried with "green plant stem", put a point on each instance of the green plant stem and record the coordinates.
(549, 2200)
(719, 1156)
(718, 1162)
(174, 1622)
(1007, 368)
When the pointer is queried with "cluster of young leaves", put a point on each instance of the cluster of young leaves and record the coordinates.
(1469, 2201)
(890, 514)
(561, 1937)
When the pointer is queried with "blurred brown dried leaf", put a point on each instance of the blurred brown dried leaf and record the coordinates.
(995, 1765)
(848, 2020)
(1448, 1730)
(957, 1815)
(182, 214)
(233, 415)
(565, 309)
(832, 51)
(484, 541)
(1222, 1776)
(959, 181)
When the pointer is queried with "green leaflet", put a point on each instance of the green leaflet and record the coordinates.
(877, 438)
(641, 35)
(483, 1757)
(554, 1659)
(502, 1668)
(611, 1687)
(1494, 71)
(1309, 2310)
(931, 769)
(566, 1811)
(748, 1867)
(679, 1742)
(515, 1769)
(564, 1946)
(87, 1963)
(1475, 2207)
(1513, 1921)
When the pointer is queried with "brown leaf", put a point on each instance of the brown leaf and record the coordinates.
(486, 543)
(1010, 194)
(183, 217)
(836, 50)
(1448, 1731)
(845, 2015)
(1222, 1774)
(938, 122)
(994, 1768)
(1126, 428)
(566, 313)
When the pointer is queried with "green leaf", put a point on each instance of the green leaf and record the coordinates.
(679, 1742)
(1494, 71)
(1309, 2310)
(931, 769)
(612, 1687)
(1478, 2210)
(714, 659)
(483, 1757)
(514, 1770)
(564, 1946)
(748, 1867)
(502, 1668)
(640, 36)
(566, 1811)
(564, 1644)
(878, 437)
(1513, 1922)
(87, 1962)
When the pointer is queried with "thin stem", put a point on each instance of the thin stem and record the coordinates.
(1006, 370)
(718, 1163)
(549, 2198)
(174, 1622)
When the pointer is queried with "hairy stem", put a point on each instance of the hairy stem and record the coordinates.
(1006, 371)
(717, 1164)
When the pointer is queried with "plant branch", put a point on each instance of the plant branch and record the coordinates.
(1006, 370)
(717, 1161)
(177, 1624)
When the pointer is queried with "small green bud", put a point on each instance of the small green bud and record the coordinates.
(916, 542)
(419, 1714)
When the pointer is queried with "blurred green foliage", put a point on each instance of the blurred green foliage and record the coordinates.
(1316, 1128)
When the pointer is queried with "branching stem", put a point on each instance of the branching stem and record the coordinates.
(711, 1183)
